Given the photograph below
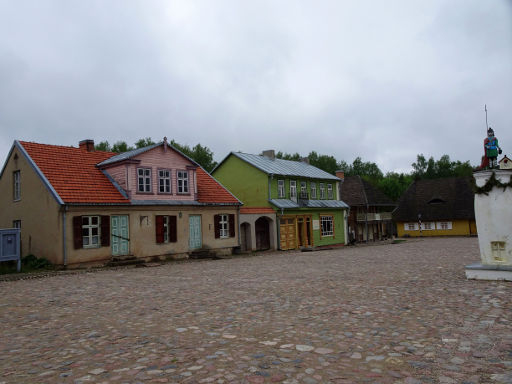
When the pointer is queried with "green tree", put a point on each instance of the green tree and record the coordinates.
(141, 143)
(324, 162)
(120, 147)
(103, 146)
(288, 156)
(200, 154)
(394, 184)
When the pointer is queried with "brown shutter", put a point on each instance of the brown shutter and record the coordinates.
(216, 224)
(77, 232)
(173, 230)
(159, 226)
(105, 231)
(231, 225)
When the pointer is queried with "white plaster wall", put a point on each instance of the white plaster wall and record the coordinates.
(493, 213)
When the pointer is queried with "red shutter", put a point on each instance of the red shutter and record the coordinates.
(173, 230)
(77, 232)
(159, 225)
(105, 231)
(231, 225)
(216, 225)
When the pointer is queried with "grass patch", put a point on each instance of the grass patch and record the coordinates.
(398, 241)
(29, 263)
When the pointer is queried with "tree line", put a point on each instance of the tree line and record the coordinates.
(393, 184)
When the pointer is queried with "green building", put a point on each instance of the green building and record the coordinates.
(287, 204)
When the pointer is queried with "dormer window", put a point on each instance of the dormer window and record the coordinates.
(182, 177)
(164, 181)
(144, 180)
(436, 200)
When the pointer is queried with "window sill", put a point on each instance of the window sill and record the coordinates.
(144, 193)
(165, 193)
(183, 193)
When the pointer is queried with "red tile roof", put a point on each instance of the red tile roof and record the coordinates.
(210, 191)
(255, 210)
(73, 174)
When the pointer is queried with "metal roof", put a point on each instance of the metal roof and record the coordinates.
(290, 204)
(326, 204)
(284, 167)
(129, 154)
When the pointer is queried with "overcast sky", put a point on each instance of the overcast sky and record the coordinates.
(384, 80)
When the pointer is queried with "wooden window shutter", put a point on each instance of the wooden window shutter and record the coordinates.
(105, 231)
(159, 226)
(231, 225)
(77, 232)
(173, 230)
(216, 224)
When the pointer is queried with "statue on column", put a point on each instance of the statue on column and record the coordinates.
(492, 150)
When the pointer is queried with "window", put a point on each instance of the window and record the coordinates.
(164, 181)
(91, 231)
(166, 229)
(428, 226)
(329, 191)
(144, 180)
(445, 225)
(182, 181)
(280, 189)
(322, 191)
(303, 190)
(411, 226)
(293, 190)
(16, 224)
(224, 226)
(327, 226)
(313, 190)
(16, 185)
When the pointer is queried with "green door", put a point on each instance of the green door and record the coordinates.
(120, 235)
(195, 238)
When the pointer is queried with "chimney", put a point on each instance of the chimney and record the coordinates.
(305, 160)
(340, 174)
(165, 143)
(86, 145)
(270, 153)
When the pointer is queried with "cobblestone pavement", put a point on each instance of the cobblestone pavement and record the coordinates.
(400, 313)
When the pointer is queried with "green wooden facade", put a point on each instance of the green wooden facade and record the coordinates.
(310, 219)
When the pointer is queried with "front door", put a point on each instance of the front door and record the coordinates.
(287, 233)
(120, 235)
(195, 238)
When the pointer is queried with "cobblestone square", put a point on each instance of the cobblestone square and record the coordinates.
(394, 313)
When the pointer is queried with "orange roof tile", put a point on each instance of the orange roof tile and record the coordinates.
(209, 190)
(250, 210)
(73, 174)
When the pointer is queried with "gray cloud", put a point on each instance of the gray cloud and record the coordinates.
(384, 81)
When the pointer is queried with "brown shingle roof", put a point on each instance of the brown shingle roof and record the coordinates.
(355, 191)
(450, 198)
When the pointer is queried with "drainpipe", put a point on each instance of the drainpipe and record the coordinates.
(64, 251)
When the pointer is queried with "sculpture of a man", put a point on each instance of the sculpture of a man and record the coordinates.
(492, 149)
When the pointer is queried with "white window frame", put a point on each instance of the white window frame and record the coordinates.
(182, 181)
(164, 181)
(322, 191)
(303, 188)
(411, 226)
(280, 189)
(329, 192)
(89, 227)
(444, 225)
(293, 190)
(16, 185)
(428, 226)
(223, 226)
(144, 180)
(167, 225)
(16, 224)
(326, 226)
(312, 187)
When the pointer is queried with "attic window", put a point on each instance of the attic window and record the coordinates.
(436, 200)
